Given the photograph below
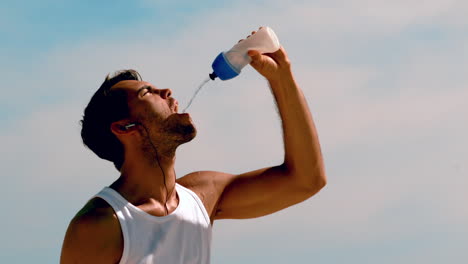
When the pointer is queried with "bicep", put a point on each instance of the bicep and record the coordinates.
(257, 193)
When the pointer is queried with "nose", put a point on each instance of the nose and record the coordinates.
(165, 93)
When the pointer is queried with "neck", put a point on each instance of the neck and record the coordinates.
(145, 181)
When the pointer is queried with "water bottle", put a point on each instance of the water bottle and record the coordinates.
(228, 64)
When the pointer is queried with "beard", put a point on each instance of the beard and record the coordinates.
(171, 132)
(179, 129)
(183, 133)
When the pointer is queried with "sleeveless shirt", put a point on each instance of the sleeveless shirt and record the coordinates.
(183, 236)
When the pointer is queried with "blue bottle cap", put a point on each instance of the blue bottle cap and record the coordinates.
(223, 69)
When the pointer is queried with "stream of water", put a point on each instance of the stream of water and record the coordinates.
(195, 94)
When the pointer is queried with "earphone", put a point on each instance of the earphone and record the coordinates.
(128, 126)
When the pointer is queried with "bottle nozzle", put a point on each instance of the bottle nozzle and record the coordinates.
(212, 76)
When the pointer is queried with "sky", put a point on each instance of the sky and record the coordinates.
(386, 82)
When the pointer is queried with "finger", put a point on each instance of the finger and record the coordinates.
(251, 33)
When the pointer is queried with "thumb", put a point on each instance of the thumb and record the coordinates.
(255, 55)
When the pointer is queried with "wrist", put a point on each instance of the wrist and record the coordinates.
(282, 79)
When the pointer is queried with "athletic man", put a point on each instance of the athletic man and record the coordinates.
(149, 216)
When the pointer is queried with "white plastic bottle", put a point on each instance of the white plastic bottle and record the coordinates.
(229, 64)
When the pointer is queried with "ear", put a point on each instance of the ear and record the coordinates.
(119, 127)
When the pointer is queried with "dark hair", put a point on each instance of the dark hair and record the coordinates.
(105, 107)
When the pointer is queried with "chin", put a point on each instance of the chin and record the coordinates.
(184, 133)
(182, 129)
(189, 133)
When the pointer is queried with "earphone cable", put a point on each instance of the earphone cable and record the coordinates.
(159, 164)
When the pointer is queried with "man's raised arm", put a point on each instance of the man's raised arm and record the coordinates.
(303, 159)
(268, 190)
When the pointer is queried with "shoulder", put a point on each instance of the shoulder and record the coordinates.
(208, 185)
(93, 235)
(200, 179)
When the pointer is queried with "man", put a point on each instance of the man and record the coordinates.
(149, 216)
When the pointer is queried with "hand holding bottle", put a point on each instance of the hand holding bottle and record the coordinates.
(273, 66)
(228, 64)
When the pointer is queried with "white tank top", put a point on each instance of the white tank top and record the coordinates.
(184, 236)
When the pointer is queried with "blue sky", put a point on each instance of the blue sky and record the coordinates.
(386, 82)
